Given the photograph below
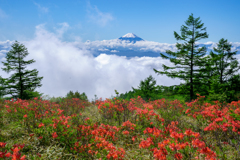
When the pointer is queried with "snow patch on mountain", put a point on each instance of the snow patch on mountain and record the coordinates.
(130, 37)
(129, 45)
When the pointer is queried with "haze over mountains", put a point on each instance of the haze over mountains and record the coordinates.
(129, 45)
(131, 37)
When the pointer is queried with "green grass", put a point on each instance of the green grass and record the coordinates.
(15, 129)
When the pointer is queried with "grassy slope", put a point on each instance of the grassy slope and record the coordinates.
(12, 132)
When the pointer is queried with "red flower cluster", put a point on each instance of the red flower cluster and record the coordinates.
(15, 155)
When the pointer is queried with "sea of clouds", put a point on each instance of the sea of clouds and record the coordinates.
(72, 66)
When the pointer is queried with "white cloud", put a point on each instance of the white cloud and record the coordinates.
(235, 46)
(143, 46)
(103, 49)
(64, 27)
(3, 52)
(41, 8)
(98, 17)
(6, 44)
(138, 46)
(69, 66)
(3, 14)
(114, 51)
(66, 67)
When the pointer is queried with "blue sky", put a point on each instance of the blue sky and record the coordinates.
(55, 33)
(154, 20)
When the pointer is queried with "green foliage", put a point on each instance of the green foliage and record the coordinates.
(128, 95)
(146, 89)
(216, 91)
(214, 77)
(117, 93)
(219, 81)
(3, 90)
(23, 82)
(226, 64)
(32, 94)
(57, 99)
(226, 67)
(159, 92)
(233, 85)
(208, 72)
(188, 57)
(234, 115)
(71, 95)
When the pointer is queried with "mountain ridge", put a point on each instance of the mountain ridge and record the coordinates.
(131, 37)
(129, 45)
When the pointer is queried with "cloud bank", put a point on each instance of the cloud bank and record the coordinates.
(66, 67)
(73, 66)
(141, 48)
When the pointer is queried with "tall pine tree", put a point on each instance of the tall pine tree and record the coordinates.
(23, 82)
(223, 68)
(207, 75)
(3, 90)
(189, 55)
(226, 64)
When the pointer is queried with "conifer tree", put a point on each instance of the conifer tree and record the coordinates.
(3, 90)
(189, 54)
(234, 83)
(207, 75)
(146, 89)
(222, 70)
(23, 82)
(224, 61)
(82, 96)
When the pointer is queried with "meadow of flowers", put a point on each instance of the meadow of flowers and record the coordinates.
(115, 129)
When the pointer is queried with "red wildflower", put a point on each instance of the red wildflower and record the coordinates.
(23, 158)
(54, 135)
(125, 132)
(8, 155)
(2, 144)
(218, 119)
(198, 143)
(39, 155)
(2, 153)
(187, 111)
(178, 156)
(32, 134)
(134, 138)
(40, 125)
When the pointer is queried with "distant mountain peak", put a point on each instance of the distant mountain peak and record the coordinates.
(131, 37)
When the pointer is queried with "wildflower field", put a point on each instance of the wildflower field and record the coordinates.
(115, 129)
